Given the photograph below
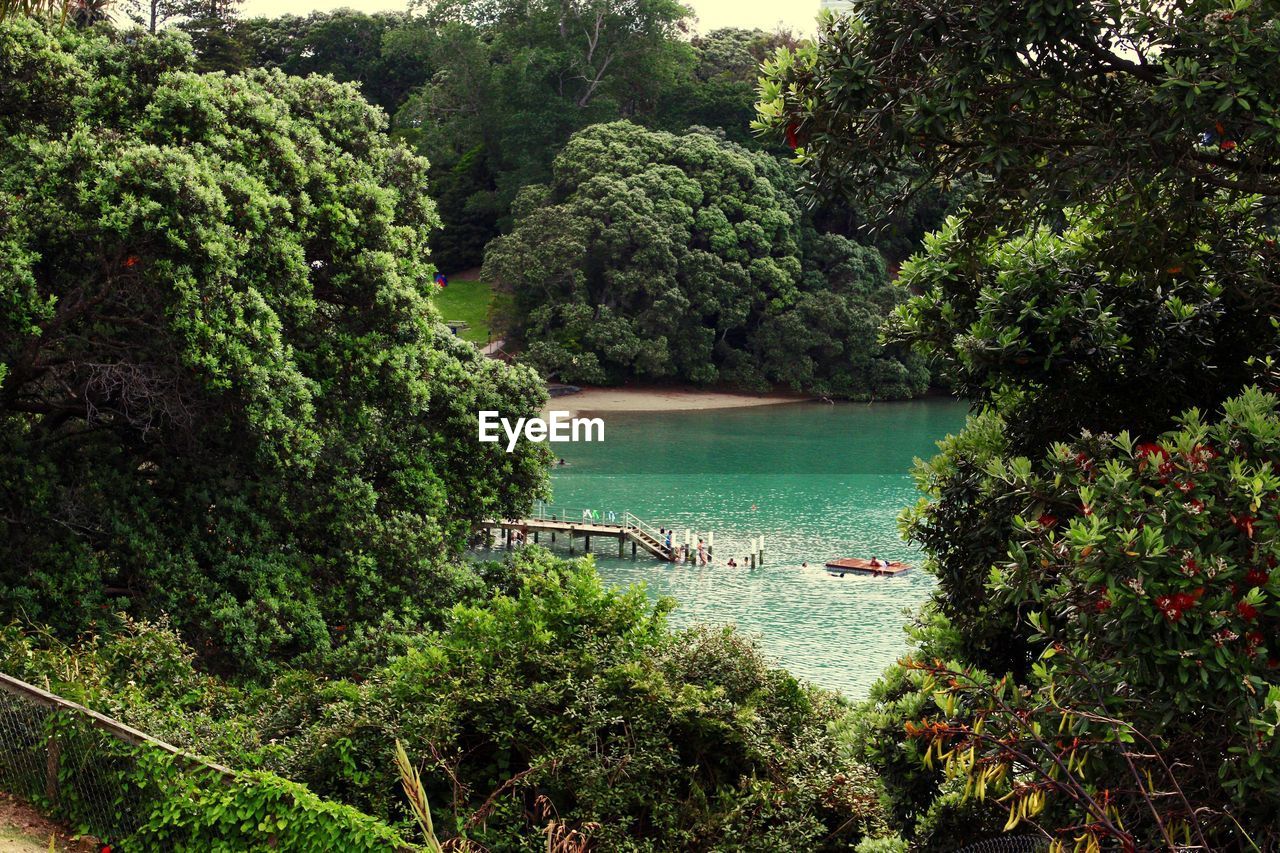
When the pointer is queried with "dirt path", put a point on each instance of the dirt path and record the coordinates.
(25, 830)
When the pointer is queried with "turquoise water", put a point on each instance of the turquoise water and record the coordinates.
(825, 481)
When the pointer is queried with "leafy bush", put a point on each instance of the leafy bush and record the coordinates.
(564, 694)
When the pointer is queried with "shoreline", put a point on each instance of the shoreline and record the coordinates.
(627, 399)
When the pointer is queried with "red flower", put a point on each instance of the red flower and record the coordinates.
(1247, 611)
(130, 262)
(1047, 520)
(1150, 448)
(1173, 606)
(1168, 606)
(792, 140)
(1187, 600)
(1244, 523)
(1228, 145)
(1195, 506)
(1257, 577)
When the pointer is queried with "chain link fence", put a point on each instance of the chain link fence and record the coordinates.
(1010, 844)
(67, 761)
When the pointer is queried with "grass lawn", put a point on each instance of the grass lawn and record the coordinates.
(469, 301)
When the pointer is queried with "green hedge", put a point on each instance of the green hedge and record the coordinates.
(144, 798)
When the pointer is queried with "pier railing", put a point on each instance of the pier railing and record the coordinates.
(547, 512)
(597, 515)
(629, 520)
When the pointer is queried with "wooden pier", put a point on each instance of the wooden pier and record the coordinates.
(627, 529)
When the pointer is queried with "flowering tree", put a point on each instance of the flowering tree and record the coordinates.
(1115, 274)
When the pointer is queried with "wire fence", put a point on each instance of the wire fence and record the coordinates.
(67, 761)
(1008, 844)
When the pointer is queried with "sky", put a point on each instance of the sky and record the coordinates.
(796, 15)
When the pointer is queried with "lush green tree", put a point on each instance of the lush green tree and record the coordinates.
(225, 394)
(721, 90)
(515, 80)
(211, 25)
(153, 14)
(349, 46)
(828, 341)
(663, 256)
(1058, 105)
(469, 206)
(1115, 268)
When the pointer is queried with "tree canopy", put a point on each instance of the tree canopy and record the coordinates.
(223, 391)
(684, 256)
(1107, 299)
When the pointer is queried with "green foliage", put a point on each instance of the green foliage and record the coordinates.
(559, 691)
(186, 807)
(256, 811)
(1115, 268)
(348, 45)
(1175, 100)
(470, 207)
(554, 699)
(720, 92)
(1067, 329)
(510, 82)
(661, 256)
(1149, 568)
(227, 397)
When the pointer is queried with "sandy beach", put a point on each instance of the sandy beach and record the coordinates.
(663, 400)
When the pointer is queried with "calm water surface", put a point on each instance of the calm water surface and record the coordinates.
(825, 481)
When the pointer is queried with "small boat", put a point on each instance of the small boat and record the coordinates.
(858, 566)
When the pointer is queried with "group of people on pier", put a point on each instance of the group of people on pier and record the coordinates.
(684, 553)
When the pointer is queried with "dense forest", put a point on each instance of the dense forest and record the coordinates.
(492, 94)
(237, 444)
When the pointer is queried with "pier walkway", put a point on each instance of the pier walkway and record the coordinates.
(588, 524)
